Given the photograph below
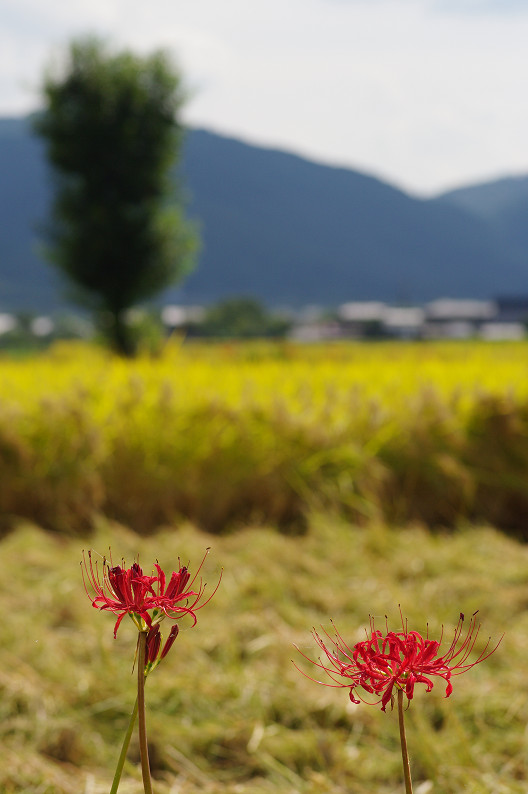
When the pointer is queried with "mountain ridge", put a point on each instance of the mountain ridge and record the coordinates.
(282, 228)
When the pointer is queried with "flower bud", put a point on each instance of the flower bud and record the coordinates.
(170, 639)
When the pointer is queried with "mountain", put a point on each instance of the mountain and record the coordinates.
(25, 282)
(294, 231)
(503, 205)
(274, 225)
(489, 199)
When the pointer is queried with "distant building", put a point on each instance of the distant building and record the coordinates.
(180, 317)
(449, 318)
(42, 326)
(404, 322)
(370, 319)
(360, 319)
(513, 309)
(445, 318)
(361, 311)
(502, 332)
(318, 331)
(8, 322)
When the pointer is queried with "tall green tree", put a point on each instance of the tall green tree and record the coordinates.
(117, 231)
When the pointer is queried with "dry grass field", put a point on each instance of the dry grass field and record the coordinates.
(227, 710)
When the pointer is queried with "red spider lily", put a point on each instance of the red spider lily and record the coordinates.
(154, 652)
(398, 659)
(342, 664)
(147, 599)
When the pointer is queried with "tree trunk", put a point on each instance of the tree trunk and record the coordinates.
(120, 335)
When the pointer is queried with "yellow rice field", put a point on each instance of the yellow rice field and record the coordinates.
(226, 433)
(301, 377)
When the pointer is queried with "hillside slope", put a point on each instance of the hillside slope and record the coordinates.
(277, 226)
(503, 206)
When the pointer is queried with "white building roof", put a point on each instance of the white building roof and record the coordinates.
(362, 311)
(7, 323)
(454, 309)
(403, 317)
(495, 332)
(175, 316)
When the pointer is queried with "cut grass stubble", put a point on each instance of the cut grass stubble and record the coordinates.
(227, 710)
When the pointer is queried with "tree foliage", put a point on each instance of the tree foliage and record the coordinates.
(242, 318)
(111, 127)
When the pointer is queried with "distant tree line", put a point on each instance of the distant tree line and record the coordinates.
(241, 318)
(233, 318)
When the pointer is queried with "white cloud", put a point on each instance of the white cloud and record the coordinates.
(482, 6)
(449, 6)
(427, 93)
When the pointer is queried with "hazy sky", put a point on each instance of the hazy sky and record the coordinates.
(427, 94)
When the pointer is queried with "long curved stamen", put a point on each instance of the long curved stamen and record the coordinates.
(398, 660)
(123, 590)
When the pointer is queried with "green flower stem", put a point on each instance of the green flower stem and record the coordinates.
(403, 742)
(124, 750)
(143, 746)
